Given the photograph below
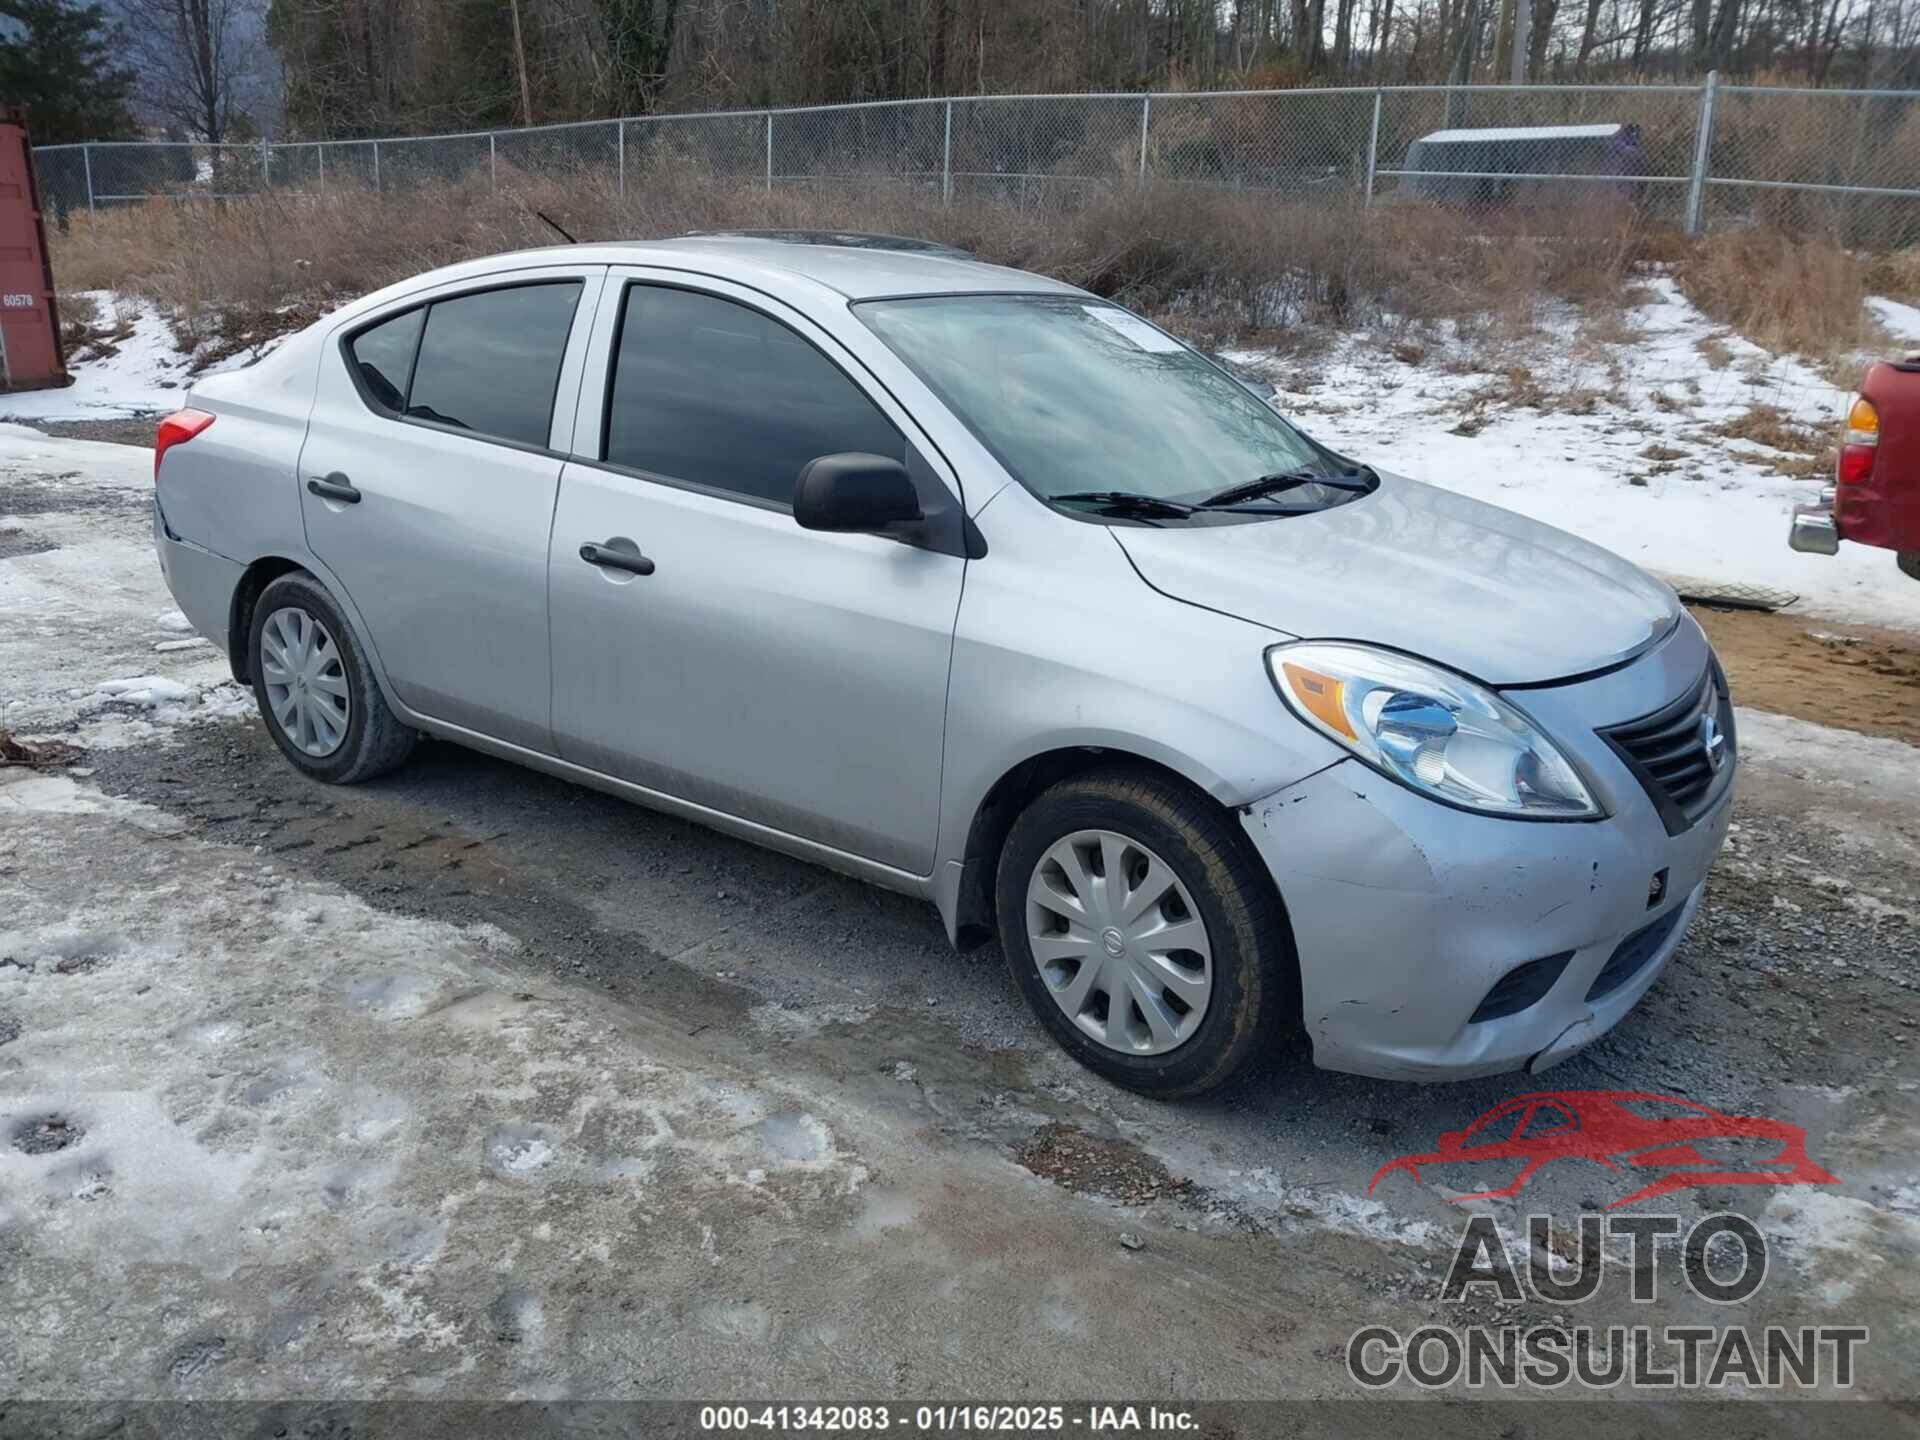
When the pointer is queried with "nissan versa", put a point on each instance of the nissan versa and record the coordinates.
(976, 586)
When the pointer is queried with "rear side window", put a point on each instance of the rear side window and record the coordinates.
(712, 392)
(487, 362)
(384, 358)
(490, 362)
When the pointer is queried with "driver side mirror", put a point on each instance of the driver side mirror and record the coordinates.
(855, 493)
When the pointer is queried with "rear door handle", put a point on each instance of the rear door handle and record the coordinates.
(613, 557)
(335, 487)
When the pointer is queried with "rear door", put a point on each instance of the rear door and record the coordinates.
(788, 677)
(428, 481)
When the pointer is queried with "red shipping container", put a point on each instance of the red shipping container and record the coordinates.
(30, 357)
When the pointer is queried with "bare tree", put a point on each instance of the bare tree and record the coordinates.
(199, 61)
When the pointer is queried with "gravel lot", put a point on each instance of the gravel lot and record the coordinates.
(471, 1084)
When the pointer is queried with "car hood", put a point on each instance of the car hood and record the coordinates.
(1484, 591)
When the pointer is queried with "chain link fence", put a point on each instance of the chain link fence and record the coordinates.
(1843, 163)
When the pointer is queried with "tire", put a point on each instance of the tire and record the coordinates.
(1248, 962)
(1909, 562)
(371, 740)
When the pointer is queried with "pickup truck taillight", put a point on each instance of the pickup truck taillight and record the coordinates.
(1861, 443)
(176, 429)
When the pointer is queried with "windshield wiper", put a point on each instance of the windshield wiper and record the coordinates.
(1359, 479)
(1125, 502)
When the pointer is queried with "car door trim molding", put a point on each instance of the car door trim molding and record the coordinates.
(889, 877)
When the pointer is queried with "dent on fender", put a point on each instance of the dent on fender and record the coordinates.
(1353, 842)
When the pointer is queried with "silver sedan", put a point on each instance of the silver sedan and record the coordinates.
(981, 588)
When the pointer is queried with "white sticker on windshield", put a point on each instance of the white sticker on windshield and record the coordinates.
(1134, 328)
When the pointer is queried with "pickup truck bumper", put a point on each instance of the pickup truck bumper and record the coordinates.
(1815, 531)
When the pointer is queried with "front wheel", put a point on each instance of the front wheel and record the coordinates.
(1143, 931)
(317, 693)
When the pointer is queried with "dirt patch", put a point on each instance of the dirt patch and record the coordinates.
(1850, 676)
(1111, 1169)
(15, 543)
(63, 495)
(45, 1134)
(36, 754)
(136, 430)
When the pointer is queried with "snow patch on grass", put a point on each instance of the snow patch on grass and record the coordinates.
(1624, 441)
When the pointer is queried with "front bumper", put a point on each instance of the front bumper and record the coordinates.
(1406, 912)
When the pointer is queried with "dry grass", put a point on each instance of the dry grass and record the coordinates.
(1714, 351)
(1767, 425)
(1213, 265)
(1786, 294)
(1896, 273)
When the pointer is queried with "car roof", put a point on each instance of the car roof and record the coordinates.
(860, 271)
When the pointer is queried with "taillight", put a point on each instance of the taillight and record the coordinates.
(1855, 466)
(176, 429)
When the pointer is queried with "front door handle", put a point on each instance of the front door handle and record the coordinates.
(335, 487)
(622, 556)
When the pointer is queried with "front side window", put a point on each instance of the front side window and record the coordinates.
(709, 391)
(1074, 396)
(487, 362)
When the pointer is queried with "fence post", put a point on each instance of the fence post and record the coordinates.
(493, 164)
(86, 159)
(946, 160)
(1146, 111)
(620, 153)
(1702, 143)
(320, 167)
(376, 167)
(769, 152)
(1373, 146)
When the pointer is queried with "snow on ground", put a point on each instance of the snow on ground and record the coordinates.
(1898, 320)
(1624, 452)
(92, 638)
(146, 374)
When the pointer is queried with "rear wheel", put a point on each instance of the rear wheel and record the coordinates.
(1143, 931)
(1910, 564)
(316, 692)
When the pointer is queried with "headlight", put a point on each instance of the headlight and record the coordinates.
(1432, 730)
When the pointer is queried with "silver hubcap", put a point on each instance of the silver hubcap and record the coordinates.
(1119, 942)
(306, 682)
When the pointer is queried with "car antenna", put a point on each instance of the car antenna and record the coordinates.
(556, 225)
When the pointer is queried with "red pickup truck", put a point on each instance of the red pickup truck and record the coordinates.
(1875, 497)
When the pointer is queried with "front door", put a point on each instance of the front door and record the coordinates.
(428, 480)
(714, 650)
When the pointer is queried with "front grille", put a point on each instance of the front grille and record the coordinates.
(1632, 954)
(1520, 987)
(1669, 753)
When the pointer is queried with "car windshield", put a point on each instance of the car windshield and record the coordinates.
(1079, 398)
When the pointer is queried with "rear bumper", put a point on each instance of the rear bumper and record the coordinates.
(201, 581)
(1815, 530)
(1406, 913)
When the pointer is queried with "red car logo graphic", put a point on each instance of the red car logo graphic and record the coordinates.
(1617, 1128)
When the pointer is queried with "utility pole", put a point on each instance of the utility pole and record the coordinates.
(1522, 39)
(520, 59)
